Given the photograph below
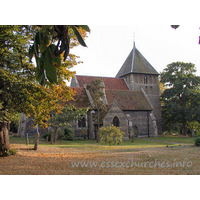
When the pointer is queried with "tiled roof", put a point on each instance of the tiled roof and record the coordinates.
(128, 100)
(80, 98)
(110, 83)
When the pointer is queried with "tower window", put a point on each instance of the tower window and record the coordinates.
(116, 121)
(145, 80)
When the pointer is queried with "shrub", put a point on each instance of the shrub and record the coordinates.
(84, 133)
(61, 135)
(68, 134)
(47, 134)
(8, 152)
(197, 140)
(110, 135)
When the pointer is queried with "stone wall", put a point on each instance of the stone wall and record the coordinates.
(88, 130)
(139, 119)
(149, 84)
(116, 111)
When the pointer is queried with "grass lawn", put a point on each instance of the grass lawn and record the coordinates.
(179, 139)
(88, 157)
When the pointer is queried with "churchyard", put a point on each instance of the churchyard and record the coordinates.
(161, 155)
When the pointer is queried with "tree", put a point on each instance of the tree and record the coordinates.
(96, 88)
(19, 89)
(180, 101)
(48, 54)
(69, 114)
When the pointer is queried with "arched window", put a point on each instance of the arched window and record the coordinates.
(82, 123)
(116, 121)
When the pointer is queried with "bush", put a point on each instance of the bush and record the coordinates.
(8, 152)
(111, 135)
(197, 140)
(84, 133)
(47, 134)
(68, 134)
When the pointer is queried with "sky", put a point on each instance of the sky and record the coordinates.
(109, 46)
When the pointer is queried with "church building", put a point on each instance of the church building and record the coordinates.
(132, 99)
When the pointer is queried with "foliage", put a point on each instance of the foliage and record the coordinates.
(162, 87)
(175, 26)
(48, 55)
(8, 152)
(13, 126)
(84, 133)
(19, 88)
(47, 134)
(111, 135)
(96, 88)
(180, 101)
(197, 140)
(68, 134)
(68, 114)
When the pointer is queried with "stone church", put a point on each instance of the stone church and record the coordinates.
(132, 99)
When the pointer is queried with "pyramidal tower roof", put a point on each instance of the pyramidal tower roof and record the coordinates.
(136, 63)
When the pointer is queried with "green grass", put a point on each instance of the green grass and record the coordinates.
(57, 158)
(178, 139)
(91, 145)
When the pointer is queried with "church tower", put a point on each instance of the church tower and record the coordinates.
(139, 74)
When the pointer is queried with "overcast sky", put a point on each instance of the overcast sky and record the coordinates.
(109, 46)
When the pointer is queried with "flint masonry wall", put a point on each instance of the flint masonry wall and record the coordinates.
(116, 111)
(140, 120)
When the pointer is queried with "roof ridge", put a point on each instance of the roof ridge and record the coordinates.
(99, 76)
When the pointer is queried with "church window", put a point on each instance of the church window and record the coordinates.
(116, 121)
(82, 122)
(145, 80)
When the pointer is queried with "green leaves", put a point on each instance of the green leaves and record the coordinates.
(180, 100)
(85, 27)
(108, 134)
(47, 54)
(175, 26)
(51, 63)
(46, 66)
(80, 39)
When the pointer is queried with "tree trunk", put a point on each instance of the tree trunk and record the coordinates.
(97, 135)
(36, 141)
(53, 136)
(4, 137)
(54, 139)
(184, 127)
